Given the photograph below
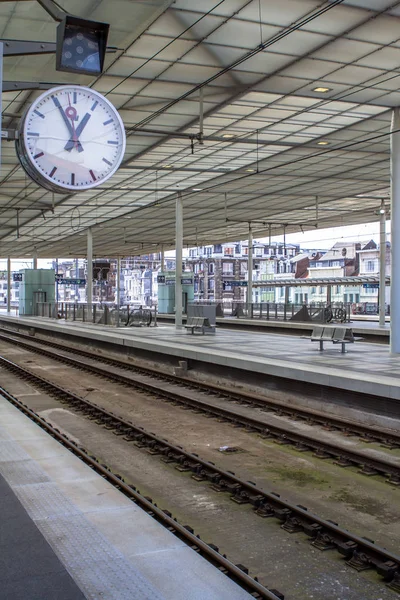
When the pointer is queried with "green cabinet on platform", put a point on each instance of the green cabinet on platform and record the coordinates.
(37, 285)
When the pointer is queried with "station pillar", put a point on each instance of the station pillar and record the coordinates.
(162, 266)
(118, 284)
(178, 260)
(395, 227)
(34, 265)
(8, 283)
(382, 267)
(89, 282)
(250, 273)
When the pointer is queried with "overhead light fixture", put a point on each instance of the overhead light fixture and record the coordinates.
(197, 189)
(250, 170)
(322, 143)
(228, 135)
(322, 90)
(166, 166)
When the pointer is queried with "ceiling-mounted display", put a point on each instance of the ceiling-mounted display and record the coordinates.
(71, 138)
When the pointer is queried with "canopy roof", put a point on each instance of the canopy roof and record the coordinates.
(276, 152)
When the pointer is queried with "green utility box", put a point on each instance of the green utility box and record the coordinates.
(37, 285)
(166, 291)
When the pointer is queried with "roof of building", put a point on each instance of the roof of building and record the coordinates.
(297, 108)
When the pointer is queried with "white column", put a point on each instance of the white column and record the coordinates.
(395, 227)
(8, 283)
(89, 282)
(178, 261)
(162, 259)
(250, 272)
(118, 287)
(382, 267)
(34, 265)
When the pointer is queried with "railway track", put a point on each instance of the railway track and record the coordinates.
(344, 457)
(359, 552)
(237, 573)
(366, 433)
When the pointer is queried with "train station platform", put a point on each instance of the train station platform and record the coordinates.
(67, 534)
(367, 369)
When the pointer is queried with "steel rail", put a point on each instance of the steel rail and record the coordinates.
(368, 433)
(344, 457)
(361, 553)
(185, 533)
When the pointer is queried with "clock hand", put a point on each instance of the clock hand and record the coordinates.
(71, 113)
(78, 132)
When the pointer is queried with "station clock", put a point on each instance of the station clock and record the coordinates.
(70, 139)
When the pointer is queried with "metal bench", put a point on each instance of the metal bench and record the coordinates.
(197, 323)
(336, 335)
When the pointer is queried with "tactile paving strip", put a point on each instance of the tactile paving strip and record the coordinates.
(22, 472)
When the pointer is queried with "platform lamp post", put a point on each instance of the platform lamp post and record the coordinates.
(382, 265)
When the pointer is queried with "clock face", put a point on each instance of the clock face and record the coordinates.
(71, 139)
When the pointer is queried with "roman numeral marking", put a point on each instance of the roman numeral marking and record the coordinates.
(93, 175)
(111, 142)
(94, 105)
(108, 122)
(72, 178)
(74, 98)
(54, 169)
(107, 162)
(38, 155)
(39, 114)
(32, 133)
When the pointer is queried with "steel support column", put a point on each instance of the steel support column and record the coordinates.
(8, 283)
(382, 267)
(34, 261)
(178, 260)
(395, 227)
(250, 272)
(89, 282)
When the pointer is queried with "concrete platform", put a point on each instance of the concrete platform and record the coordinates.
(360, 326)
(66, 534)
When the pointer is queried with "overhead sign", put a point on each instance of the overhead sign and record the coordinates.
(236, 283)
(70, 281)
(160, 278)
(170, 282)
(371, 286)
(186, 280)
(17, 276)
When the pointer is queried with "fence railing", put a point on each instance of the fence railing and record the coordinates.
(126, 315)
(321, 312)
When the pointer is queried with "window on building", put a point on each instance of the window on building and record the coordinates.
(321, 289)
(243, 267)
(266, 250)
(370, 265)
(258, 252)
(245, 251)
(217, 248)
(335, 263)
(208, 250)
(338, 289)
(313, 290)
(211, 269)
(211, 285)
(281, 292)
(228, 251)
(238, 249)
(227, 268)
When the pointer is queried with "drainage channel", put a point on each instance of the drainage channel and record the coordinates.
(343, 457)
(360, 553)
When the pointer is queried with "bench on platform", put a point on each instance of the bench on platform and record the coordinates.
(336, 335)
(197, 323)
